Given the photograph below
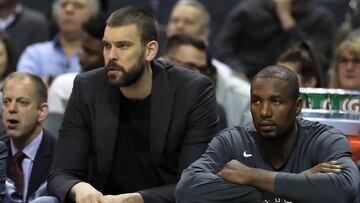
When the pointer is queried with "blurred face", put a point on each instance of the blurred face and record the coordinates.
(91, 53)
(349, 71)
(71, 15)
(273, 109)
(186, 19)
(190, 56)
(22, 114)
(123, 55)
(3, 59)
(295, 67)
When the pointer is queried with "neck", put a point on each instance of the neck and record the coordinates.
(21, 143)
(7, 11)
(141, 88)
(279, 151)
(70, 44)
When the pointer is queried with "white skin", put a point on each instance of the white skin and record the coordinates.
(349, 72)
(22, 113)
(186, 19)
(283, 11)
(122, 45)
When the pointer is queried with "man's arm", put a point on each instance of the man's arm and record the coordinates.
(202, 124)
(336, 187)
(199, 182)
(322, 25)
(69, 168)
(238, 173)
(326, 182)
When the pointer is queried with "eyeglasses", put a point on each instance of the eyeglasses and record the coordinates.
(347, 60)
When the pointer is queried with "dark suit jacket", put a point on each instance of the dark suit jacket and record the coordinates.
(3, 155)
(183, 119)
(42, 162)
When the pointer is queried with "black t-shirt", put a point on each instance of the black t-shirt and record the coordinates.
(133, 168)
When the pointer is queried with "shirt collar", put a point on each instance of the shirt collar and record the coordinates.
(31, 149)
(6, 22)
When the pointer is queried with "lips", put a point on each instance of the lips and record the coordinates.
(266, 125)
(12, 123)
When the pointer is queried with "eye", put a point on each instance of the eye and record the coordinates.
(255, 101)
(106, 45)
(123, 46)
(6, 102)
(276, 102)
(23, 103)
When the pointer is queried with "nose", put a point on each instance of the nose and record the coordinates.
(180, 25)
(266, 110)
(349, 65)
(68, 7)
(113, 54)
(13, 107)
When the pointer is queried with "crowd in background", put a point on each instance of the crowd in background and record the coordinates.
(230, 42)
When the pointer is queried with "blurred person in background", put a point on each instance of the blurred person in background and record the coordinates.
(346, 70)
(7, 58)
(191, 52)
(232, 92)
(7, 66)
(23, 25)
(90, 56)
(61, 55)
(304, 61)
(256, 32)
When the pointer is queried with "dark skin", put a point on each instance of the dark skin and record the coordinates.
(274, 112)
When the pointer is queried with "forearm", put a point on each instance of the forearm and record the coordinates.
(331, 188)
(159, 194)
(283, 11)
(202, 187)
(262, 179)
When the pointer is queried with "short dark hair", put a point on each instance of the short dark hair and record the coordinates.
(40, 88)
(142, 18)
(95, 26)
(308, 58)
(282, 73)
(175, 41)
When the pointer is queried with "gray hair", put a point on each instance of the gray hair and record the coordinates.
(205, 16)
(94, 6)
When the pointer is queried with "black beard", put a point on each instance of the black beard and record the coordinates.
(129, 77)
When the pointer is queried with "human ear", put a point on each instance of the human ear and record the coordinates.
(298, 105)
(151, 50)
(43, 112)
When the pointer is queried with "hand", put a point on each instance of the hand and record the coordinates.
(124, 198)
(283, 11)
(235, 172)
(327, 167)
(85, 193)
(282, 5)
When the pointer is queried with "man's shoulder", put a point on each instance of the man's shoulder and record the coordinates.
(317, 130)
(41, 48)
(33, 16)
(238, 135)
(95, 74)
(49, 138)
(175, 72)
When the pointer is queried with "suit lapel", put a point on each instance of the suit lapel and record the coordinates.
(162, 98)
(41, 164)
(107, 120)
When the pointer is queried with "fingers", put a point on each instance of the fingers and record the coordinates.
(330, 167)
